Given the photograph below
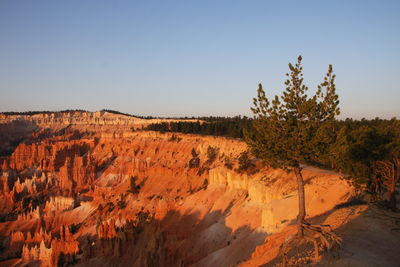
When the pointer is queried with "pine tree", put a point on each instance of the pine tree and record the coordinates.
(395, 158)
(339, 150)
(284, 130)
(389, 165)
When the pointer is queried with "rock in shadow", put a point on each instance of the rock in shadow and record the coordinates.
(13, 133)
(176, 240)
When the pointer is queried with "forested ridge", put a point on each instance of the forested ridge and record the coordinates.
(218, 126)
(367, 151)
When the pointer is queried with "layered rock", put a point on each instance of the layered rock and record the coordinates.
(7, 181)
(77, 173)
(31, 185)
(58, 204)
(91, 195)
(277, 191)
(66, 118)
(34, 214)
(37, 253)
(66, 246)
(20, 237)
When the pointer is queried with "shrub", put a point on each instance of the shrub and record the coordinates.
(175, 138)
(228, 163)
(245, 163)
(133, 187)
(194, 162)
(212, 153)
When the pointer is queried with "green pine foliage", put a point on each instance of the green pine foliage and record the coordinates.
(368, 153)
(285, 128)
(294, 129)
(212, 153)
(245, 162)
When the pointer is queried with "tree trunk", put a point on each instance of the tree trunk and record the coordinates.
(302, 200)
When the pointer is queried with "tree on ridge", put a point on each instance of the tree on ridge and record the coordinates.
(283, 135)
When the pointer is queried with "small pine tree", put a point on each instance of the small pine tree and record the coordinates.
(212, 153)
(284, 130)
(245, 162)
(194, 162)
(194, 153)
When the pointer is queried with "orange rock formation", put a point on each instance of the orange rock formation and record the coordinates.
(99, 196)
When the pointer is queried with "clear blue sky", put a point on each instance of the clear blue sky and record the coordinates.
(178, 58)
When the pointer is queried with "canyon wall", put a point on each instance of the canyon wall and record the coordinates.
(80, 118)
(137, 198)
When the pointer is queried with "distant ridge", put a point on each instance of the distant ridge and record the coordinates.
(127, 114)
(28, 113)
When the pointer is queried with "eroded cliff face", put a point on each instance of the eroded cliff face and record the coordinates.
(137, 199)
(58, 120)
